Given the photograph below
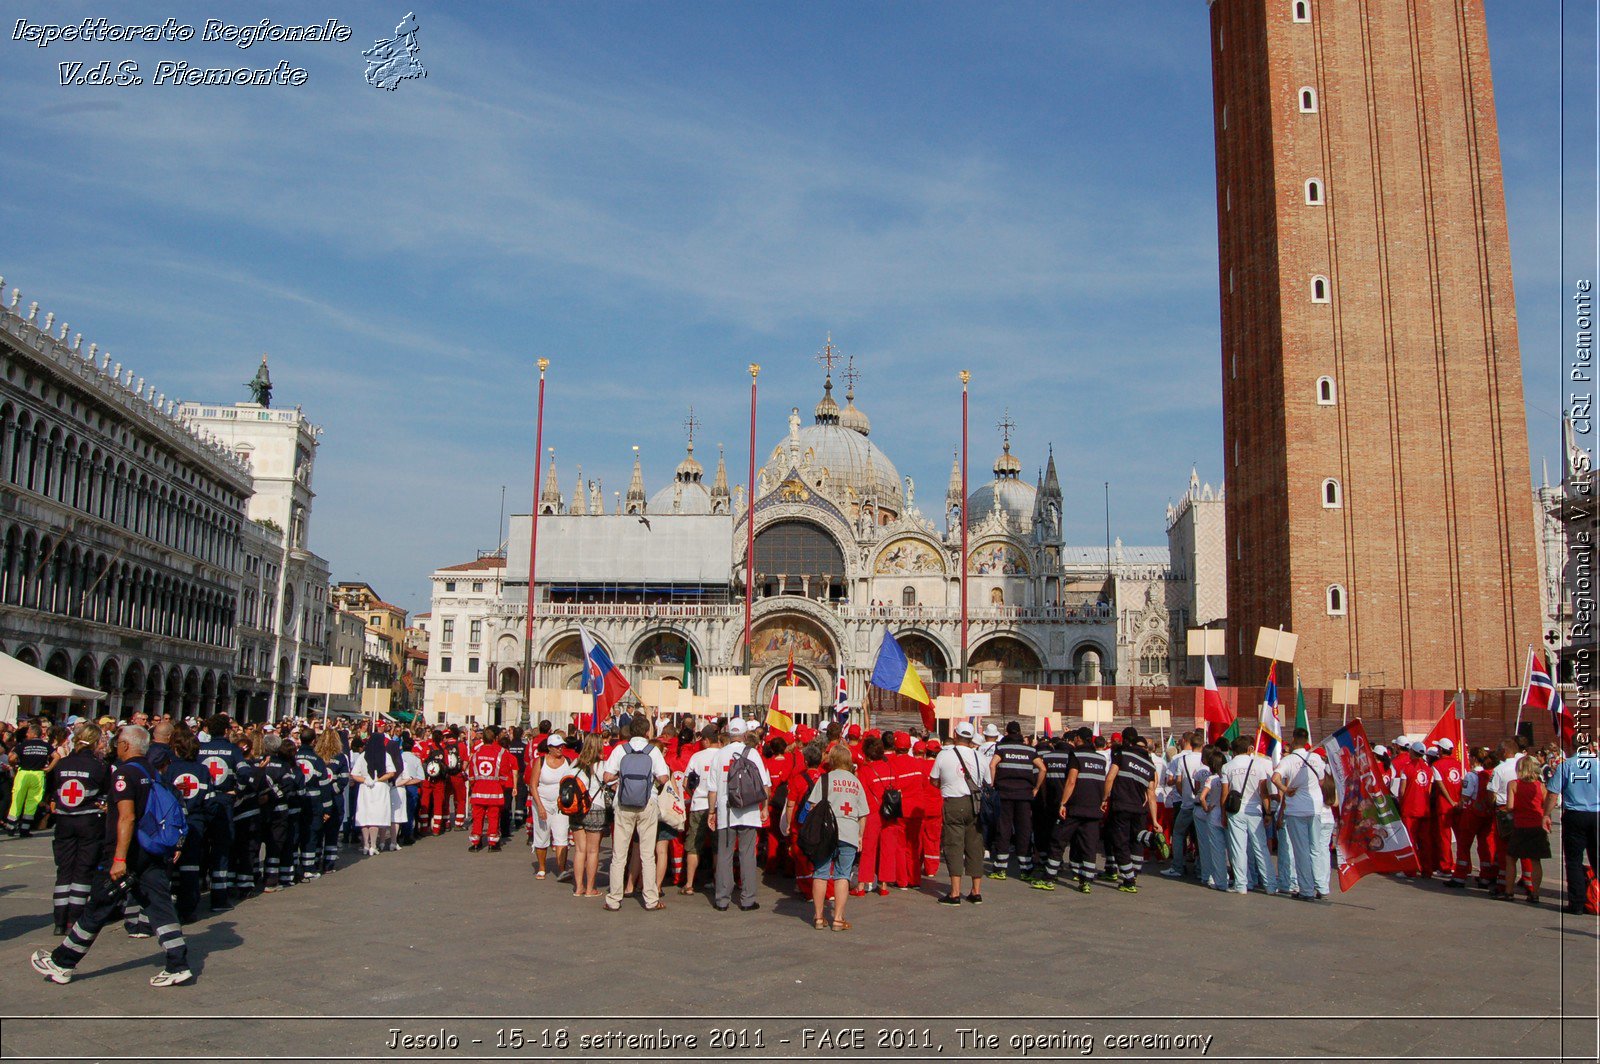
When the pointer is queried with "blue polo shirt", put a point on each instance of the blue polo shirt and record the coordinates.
(1577, 781)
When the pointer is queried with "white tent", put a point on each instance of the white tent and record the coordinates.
(21, 680)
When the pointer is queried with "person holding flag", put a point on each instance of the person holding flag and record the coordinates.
(602, 681)
(1218, 717)
(841, 702)
(1541, 692)
(779, 722)
(893, 672)
(1298, 778)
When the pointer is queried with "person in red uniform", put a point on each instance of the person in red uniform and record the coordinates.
(455, 767)
(1446, 800)
(1416, 803)
(932, 805)
(435, 790)
(873, 772)
(853, 740)
(896, 866)
(772, 849)
(1475, 823)
(799, 786)
(494, 778)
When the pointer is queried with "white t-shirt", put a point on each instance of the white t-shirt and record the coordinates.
(1244, 775)
(718, 781)
(1208, 785)
(550, 777)
(1302, 771)
(410, 768)
(1500, 779)
(948, 775)
(1183, 772)
(701, 761)
(638, 744)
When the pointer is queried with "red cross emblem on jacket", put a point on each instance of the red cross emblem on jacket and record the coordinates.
(71, 793)
(186, 785)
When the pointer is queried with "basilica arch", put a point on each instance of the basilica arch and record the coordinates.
(1008, 657)
(658, 654)
(1091, 664)
(562, 659)
(801, 556)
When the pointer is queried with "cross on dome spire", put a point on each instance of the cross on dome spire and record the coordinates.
(850, 375)
(1006, 427)
(690, 424)
(828, 356)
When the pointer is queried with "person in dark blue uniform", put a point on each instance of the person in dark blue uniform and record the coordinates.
(220, 758)
(77, 786)
(190, 781)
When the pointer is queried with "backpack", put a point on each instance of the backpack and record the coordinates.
(745, 788)
(819, 831)
(162, 826)
(573, 797)
(634, 783)
(891, 805)
(452, 758)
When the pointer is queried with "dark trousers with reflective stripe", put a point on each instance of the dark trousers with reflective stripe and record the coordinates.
(219, 847)
(1013, 833)
(1580, 838)
(279, 834)
(1078, 838)
(147, 884)
(1122, 830)
(245, 860)
(78, 842)
(191, 859)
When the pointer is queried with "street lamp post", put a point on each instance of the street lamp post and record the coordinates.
(750, 519)
(533, 545)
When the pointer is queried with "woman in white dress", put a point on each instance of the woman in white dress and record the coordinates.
(373, 775)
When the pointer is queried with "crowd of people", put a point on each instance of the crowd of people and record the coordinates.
(723, 806)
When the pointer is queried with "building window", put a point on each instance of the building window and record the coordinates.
(1335, 600)
(908, 596)
(444, 664)
(448, 632)
(1319, 289)
(1330, 494)
(449, 585)
(1308, 100)
(477, 585)
(472, 664)
(1314, 192)
(1302, 10)
(475, 632)
(1326, 396)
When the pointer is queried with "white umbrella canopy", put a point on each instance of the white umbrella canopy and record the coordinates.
(21, 680)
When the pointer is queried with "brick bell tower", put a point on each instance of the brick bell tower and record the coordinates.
(1379, 491)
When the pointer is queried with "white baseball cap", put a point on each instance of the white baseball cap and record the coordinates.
(1380, 749)
(1447, 745)
(555, 741)
(964, 730)
(991, 732)
(737, 726)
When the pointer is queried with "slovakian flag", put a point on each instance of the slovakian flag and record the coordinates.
(1452, 725)
(1269, 737)
(1371, 837)
(1218, 716)
(893, 672)
(841, 702)
(1543, 694)
(778, 721)
(602, 680)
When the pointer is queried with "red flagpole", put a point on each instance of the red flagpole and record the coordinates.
(965, 377)
(750, 520)
(533, 545)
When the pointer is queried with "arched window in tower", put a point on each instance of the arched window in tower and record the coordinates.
(1302, 10)
(1314, 192)
(1326, 395)
(1332, 499)
(1319, 289)
(908, 596)
(1308, 100)
(1335, 600)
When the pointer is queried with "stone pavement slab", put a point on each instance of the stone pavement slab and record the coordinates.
(439, 944)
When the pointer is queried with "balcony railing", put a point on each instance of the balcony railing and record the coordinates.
(1056, 614)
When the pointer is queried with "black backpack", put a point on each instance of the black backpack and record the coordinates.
(819, 832)
(891, 805)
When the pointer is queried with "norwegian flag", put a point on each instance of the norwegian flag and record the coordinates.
(1543, 694)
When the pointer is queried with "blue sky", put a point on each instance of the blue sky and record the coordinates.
(653, 195)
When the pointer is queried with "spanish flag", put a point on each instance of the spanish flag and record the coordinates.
(779, 722)
(893, 672)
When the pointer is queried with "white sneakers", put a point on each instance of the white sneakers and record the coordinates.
(165, 978)
(47, 967)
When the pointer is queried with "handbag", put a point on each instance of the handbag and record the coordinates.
(670, 806)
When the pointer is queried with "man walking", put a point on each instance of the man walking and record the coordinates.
(1299, 781)
(739, 787)
(126, 869)
(958, 772)
(1018, 773)
(1180, 777)
(637, 769)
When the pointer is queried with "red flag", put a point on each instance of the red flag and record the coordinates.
(1217, 714)
(1452, 725)
(1371, 836)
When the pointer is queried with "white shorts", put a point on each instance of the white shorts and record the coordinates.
(551, 831)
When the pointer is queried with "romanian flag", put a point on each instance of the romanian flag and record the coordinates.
(1218, 717)
(1268, 739)
(893, 672)
(779, 722)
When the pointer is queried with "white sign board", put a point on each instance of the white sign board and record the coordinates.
(1098, 710)
(1276, 644)
(793, 700)
(947, 707)
(1347, 692)
(1161, 718)
(975, 705)
(1035, 703)
(1207, 642)
(329, 679)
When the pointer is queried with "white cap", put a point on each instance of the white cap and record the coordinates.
(1447, 745)
(1418, 748)
(1380, 749)
(1433, 748)
(555, 741)
(737, 727)
(964, 730)
(991, 732)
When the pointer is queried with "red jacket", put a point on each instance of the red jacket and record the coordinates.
(494, 772)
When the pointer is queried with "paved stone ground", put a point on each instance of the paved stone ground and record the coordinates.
(434, 939)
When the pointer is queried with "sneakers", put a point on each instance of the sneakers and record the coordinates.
(1163, 847)
(475, 847)
(1127, 888)
(975, 899)
(171, 978)
(999, 875)
(47, 967)
(1082, 886)
(494, 847)
(1042, 884)
(946, 899)
(1172, 873)
(146, 934)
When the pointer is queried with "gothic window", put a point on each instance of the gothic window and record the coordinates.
(1302, 10)
(1335, 600)
(1319, 289)
(1325, 391)
(1308, 100)
(1331, 496)
(1153, 660)
(908, 596)
(1314, 192)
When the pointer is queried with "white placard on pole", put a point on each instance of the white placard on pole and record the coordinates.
(739, 690)
(975, 705)
(947, 707)
(1207, 642)
(1347, 692)
(375, 700)
(573, 701)
(1098, 710)
(1161, 718)
(1277, 644)
(796, 700)
(1032, 702)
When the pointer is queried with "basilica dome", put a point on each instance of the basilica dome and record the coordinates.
(850, 467)
(1013, 497)
(688, 494)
